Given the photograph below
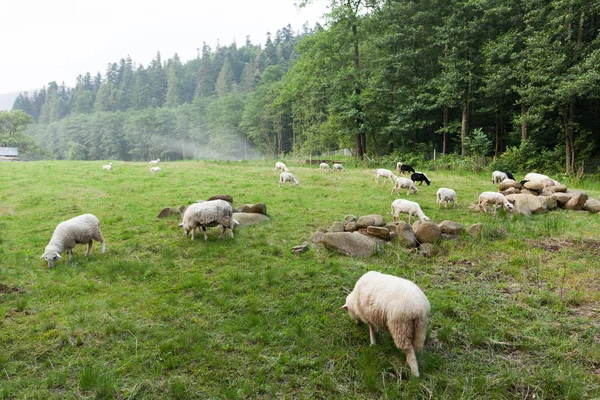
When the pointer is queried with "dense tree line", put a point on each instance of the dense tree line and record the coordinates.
(385, 77)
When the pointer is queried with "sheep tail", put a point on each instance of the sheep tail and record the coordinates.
(420, 332)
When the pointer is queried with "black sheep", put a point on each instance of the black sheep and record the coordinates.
(419, 176)
(509, 175)
(406, 168)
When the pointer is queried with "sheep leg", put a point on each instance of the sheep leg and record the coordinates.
(372, 334)
(89, 248)
(411, 359)
(205, 235)
(69, 254)
(102, 246)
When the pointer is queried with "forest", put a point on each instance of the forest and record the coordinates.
(513, 81)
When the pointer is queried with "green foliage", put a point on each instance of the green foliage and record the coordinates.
(529, 157)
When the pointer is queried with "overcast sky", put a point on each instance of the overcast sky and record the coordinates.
(56, 40)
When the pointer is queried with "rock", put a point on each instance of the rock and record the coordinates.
(548, 202)
(451, 227)
(258, 208)
(426, 250)
(447, 236)
(529, 192)
(509, 183)
(534, 185)
(352, 244)
(318, 236)
(511, 190)
(349, 218)
(563, 197)
(350, 226)
(525, 204)
(428, 232)
(577, 202)
(475, 229)
(225, 197)
(592, 205)
(181, 208)
(337, 227)
(168, 211)
(370, 220)
(406, 235)
(301, 248)
(245, 219)
(556, 188)
(378, 232)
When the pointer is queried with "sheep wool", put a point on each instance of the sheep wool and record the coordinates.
(393, 304)
(208, 214)
(338, 167)
(287, 177)
(402, 206)
(81, 229)
(445, 195)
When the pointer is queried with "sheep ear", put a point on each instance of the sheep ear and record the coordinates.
(58, 255)
(344, 307)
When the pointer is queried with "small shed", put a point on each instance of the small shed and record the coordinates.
(9, 154)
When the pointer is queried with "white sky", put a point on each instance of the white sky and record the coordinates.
(56, 40)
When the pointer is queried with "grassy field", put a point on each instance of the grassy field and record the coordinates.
(515, 313)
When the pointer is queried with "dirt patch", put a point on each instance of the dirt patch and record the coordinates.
(555, 245)
(7, 289)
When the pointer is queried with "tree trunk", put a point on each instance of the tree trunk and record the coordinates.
(360, 137)
(464, 126)
(569, 136)
(496, 149)
(445, 131)
(523, 122)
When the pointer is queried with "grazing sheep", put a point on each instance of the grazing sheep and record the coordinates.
(420, 177)
(107, 167)
(208, 214)
(509, 175)
(81, 229)
(498, 176)
(393, 304)
(324, 166)
(338, 167)
(287, 177)
(385, 173)
(407, 207)
(404, 183)
(155, 161)
(493, 198)
(279, 166)
(404, 168)
(446, 196)
(154, 169)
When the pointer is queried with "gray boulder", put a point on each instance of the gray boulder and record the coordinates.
(428, 232)
(350, 226)
(451, 227)
(225, 197)
(592, 205)
(577, 202)
(370, 220)
(406, 235)
(378, 232)
(534, 185)
(509, 183)
(258, 208)
(475, 229)
(337, 227)
(525, 204)
(352, 244)
(246, 219)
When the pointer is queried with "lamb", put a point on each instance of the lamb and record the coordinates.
(338, 167)
(446, 196)
(279, 166)
(324, 166)
(420, 176)
(407, 207)
(498, 176)
(154, 169)
(208, 214)
(81, 229)
(393, 304)
(404, 168)
(107, 167)
(493, 198)
(385, 173)
(404, 183)
(545, 179)
(287, 177)
(153, 162)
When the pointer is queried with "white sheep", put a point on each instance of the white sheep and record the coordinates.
(208, 214)
(493, 198)
(279, 166)
(393, 304)
(385, 173)
(545, 179)
(81, 229)
(287, 177)
(407, 207)
(154, 169)
(324, 166)
(446, 196)
(338, 167)
(108, 166)
(406, 184)
(498, 176)
(153, 162)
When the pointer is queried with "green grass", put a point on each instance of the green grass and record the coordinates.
(514, 312)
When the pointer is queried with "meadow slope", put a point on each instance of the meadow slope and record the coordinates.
(514, 312)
